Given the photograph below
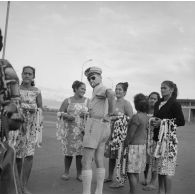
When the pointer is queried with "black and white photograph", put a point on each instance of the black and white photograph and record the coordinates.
(96, 98)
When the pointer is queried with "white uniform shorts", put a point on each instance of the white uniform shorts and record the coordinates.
(97, 132)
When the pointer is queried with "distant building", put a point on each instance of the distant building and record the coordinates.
(188, 107)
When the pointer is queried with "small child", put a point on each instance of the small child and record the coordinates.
(136, 141)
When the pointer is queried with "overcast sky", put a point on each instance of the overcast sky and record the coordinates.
(142, 43)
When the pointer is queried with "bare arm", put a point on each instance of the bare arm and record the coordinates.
(1, 99)
(111, 100)
(88, 103)
(128, 109)
(64, 106)
(39, 101)
(134, 123)
(131, 132)
(64, 113)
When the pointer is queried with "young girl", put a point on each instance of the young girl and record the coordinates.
(136, 141)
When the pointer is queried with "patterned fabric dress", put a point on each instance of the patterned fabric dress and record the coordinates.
(114, 146)
(171, 115)
(117, 147)
(118, 131)
(151, 146)
(70, 133)
(167, 152)
(137, 149)
(26, 139)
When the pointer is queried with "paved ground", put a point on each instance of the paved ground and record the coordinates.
(48, 166)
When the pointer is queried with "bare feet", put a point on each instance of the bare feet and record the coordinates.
(65, 176)
(149, 187)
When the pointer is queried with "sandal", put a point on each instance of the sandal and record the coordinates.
(65, 176)
(116, 185)
(107, 180)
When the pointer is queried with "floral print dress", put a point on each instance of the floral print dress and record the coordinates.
(168, 149)
(26, 138)
(70, 133)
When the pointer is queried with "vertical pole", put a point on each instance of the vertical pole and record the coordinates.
(6, 27)
(82, 73)
(189, 115)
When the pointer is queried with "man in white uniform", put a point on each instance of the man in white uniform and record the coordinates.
(97, 130)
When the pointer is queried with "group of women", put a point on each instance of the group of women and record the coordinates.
(141, 140)
(133, 139)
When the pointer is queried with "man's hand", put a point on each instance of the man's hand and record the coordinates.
(113, 118)
(106, 118)
(84, 114)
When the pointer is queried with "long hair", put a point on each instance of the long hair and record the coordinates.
(1, 40)
(173, 86)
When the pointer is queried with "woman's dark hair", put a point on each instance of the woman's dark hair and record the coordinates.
(33, 69)
(124, 86)
(76, 85)
(156, 93)
(1, 41)
(141, 103)
(173, 86)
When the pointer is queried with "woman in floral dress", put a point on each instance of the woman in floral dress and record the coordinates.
(28, 136)
(72, 115)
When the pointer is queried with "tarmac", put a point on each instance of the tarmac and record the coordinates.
(48, 166)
